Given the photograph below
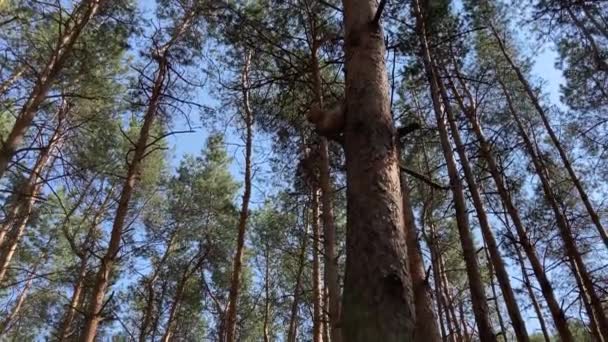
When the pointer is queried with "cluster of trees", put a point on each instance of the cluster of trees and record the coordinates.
(438, 194)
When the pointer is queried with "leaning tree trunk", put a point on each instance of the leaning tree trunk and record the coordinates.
(94, 314)
(377, 298)
(292, 331)
(555, 140)
(16, 224)
(478, 296)
(571, 250)
(81, 16)
(519, 326)
(486, 153)
(235, 283)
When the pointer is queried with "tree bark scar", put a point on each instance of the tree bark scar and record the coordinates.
(394, 286)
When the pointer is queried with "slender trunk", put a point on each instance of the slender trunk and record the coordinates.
(81, 16)
(266, 329)
(155, 325)
(317, 320)
(64, 332)
(235, 283)
(13, 230)
(501, 321)
(593, 323)
(177, 300)
(562, 153)
(566, 235)
(519, 326)
(5, 325)
(463, 321)
(450, 302)
(292, 332)
(478, 297)
(6, 84)
(426, 322)
(557, 313)
(377, 298)
(530, 290)
(597, 55)
(103, 278)
(439, 298)
(327, 217)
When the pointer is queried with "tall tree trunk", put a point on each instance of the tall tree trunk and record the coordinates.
(81, 16)
(377, 299)
(449, 297)
(593, 322)
(292, 332)
(519, 326)
(557, 313)
(12, 232)
(478, 297)
(5, 325)
(94, 314)
(235, 283)
(317, 320)
(439, 298)
(266, 328)
(426, 321)
(555, 140)
(566, 234)
(64, 332)
(327, 217)
(501, 321)
(530, 290)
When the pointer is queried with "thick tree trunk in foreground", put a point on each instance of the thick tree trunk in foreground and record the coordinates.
(81, 16)
(378, 297)
(235, 284)
(478, 296)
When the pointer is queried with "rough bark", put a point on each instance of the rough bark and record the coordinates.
(377, 298)
(80, 18)
(235, 283)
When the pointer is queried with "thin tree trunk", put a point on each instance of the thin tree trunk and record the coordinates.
(94, 314)
(450, 302)
(81, 16)
(597, 55)
(439, 298)
(557, 313)
(235, 283)
(327, 217)
(5, 325)
(13, 230)
(377, 298)
(266, 328)
(530, 290)
(519, 326)
(426, 321)
(491, 272)
(64, 331)
(5, 85)
(317, 320)
(562, 153)
(292, 332)
(478, 297)
(593, 323)
(566, 235)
